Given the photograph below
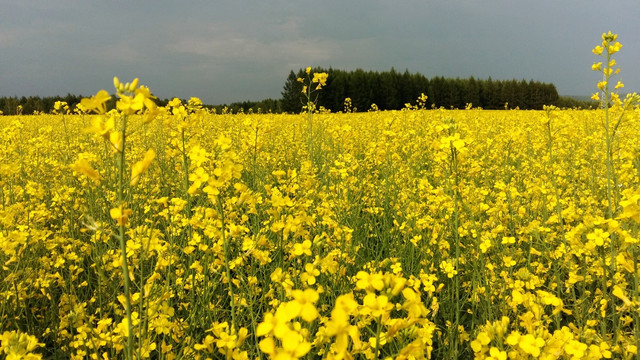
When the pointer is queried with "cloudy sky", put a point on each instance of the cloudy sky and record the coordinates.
(235, 50)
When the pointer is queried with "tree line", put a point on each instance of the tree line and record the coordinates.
(27, 105)
(388, 90)
(391, 90)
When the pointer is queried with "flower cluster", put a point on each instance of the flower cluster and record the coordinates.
(146, 232)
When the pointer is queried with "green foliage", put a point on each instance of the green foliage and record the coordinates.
(292, 93)
(31, 104)
(570, 102)
(391, 90)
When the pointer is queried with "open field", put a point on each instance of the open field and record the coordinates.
(408, 234)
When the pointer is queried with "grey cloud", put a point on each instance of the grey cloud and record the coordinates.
(224, 51)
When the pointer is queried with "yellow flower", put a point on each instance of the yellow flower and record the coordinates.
(83, 167)
(309, 276)
(320, 78)
(598, 236)
(508, 261)
(272, 325)
(598, 352)
(576, 349)
(449, 268)
(376, 305)
(476, 346)
(598, 50)
(116, 83)
(508, 240)
(147, 96)
(366, 281)
(130, 105)
(16, 345)
(268, 346)
(609, 36)
(612, 49)
(120, 215)
(115, 138)
(96, 103)
(294, 346)
(100, 127)
(631, 205)
(496, 354)
(197, 177)
(303, 248)
(304, 301)
(619, 293)
(485, 244)
(452, 142)
(483, 338)
(151, 112)
(175, 102)
(60, 105)
(531, 344)
(513, 338)
(141, 166)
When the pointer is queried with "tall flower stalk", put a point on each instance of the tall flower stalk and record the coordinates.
(310, 86)
(610, 101)
(132, 100)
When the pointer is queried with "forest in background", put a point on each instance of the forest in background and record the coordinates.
(388, 90)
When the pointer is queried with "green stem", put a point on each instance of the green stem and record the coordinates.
(554, 182)
(66, 134)
(607, 99)
(611, 185)
(456, 224)
(226, 264)
(185, 164)
(255, 156)
(636, 318)
(378, 331)
(123, 245)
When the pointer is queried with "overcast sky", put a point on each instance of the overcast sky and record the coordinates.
(235, 50)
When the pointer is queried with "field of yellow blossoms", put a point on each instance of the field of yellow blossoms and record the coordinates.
(177, 233)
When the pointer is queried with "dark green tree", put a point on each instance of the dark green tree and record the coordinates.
(291, 102)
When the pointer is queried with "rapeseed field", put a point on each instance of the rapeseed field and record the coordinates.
(177, 233)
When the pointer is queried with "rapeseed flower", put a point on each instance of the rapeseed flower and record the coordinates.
(82, 166)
